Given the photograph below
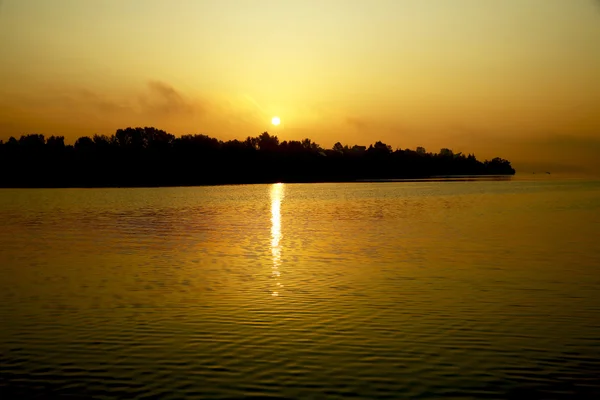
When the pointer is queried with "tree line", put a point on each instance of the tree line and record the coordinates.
(152, 157)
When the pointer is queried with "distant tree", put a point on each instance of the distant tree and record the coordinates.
(159, 139)
(382, 147)
(12, 143)
(309, 145)
(33, 141)
(267, 142)
(150, 156)
(446, 152)
(55, 143)
(499, 166)
(293, 146)
(123, 138)
(201, 143)
(251, 142)
(103, 141)
(234, 145)
(84, 144)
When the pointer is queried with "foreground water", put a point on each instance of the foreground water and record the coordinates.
(368, 290)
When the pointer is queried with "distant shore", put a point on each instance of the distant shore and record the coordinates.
(472, 178)
(148, 157)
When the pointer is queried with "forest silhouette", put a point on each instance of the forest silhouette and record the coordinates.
(136, 157)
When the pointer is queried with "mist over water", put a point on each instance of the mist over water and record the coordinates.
(472, 289)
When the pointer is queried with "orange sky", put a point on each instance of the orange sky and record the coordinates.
(514, 78)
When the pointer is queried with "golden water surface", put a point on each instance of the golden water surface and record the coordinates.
(486, 289)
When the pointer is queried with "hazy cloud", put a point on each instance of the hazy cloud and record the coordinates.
(76, 111)
(357, 122)
(163, 99)
(561, 141)
(556, 152)
(98, 102)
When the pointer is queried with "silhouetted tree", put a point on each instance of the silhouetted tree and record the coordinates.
(56, 143)
(149, 156)
(446, 153)
(84, 144)
(103, 141)
(31, 142)
(267, 142)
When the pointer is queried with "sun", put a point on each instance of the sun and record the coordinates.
(275, 121)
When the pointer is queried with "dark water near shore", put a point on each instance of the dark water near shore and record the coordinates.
(366, 290)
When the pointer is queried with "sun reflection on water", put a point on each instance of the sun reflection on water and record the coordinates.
(276, 198)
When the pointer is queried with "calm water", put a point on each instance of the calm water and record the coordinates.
(366, 290)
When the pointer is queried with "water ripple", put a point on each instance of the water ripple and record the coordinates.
(396, 290)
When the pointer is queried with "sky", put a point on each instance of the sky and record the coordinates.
(519, 79)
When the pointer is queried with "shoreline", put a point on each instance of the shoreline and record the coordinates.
(445, 178)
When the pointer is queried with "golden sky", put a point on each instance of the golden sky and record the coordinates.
(513, 78)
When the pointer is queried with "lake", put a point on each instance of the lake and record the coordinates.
(470, 289)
